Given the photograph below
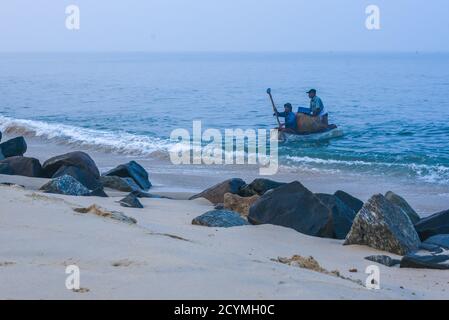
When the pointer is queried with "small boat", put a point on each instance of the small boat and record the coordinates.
(331, 132)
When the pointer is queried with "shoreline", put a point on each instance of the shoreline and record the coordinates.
(424, 197)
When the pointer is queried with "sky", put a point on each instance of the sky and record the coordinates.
(224, 25)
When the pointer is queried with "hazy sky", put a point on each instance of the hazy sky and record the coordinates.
(224, 25)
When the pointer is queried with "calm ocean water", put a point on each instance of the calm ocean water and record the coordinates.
(393, 108)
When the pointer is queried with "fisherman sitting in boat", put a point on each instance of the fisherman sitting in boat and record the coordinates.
(290, 125)
(312, 119)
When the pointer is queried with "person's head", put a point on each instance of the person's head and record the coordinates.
(288, 107)
(311, 93)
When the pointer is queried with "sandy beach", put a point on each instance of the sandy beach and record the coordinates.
(164, 256)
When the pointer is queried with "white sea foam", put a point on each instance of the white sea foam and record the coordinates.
(117, 142)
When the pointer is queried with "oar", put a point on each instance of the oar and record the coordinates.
(274, 106)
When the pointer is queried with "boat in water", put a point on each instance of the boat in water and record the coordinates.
(331, 132)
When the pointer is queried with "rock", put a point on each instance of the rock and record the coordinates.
(142, 194)
(381, 225)
(426, 260)
(99, 192)
(352, 202)
(5, 169)
(437, 223)
(132, 170)
(259, 187)
(220, 219)
(21, 166)
(65, 185)
(239, 204)
(14, 147)
(76, 159)
(118, 183)
(96, 210)
(441, 240)
(403, 205)
(293, 206)
(81, 175)
(385, 260)
(1, 155)
(216, 193)
(342, 215)
(131, 201)
(219, 206)
(430, 247)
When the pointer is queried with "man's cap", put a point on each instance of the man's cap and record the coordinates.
(311, 91)
(288, 105)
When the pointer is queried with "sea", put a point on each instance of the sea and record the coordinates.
(392, 107)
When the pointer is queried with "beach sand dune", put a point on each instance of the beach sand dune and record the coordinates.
(164, 256)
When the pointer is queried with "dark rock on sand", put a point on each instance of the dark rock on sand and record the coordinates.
(342, 215)
(14, 147)
(132, 170)
(65, 185)
(21, 166)
(441, 240)
(219, 206)
(99, 192)
(426, 260)
(118, 183)
(352, 202)
(293, 206)
(131, 201)
(385, 260)
(220, 219)
(216, 193)
(433, 225)
(381, 225)
(76, 159)
(403, 205)
(81, 175)
(142, 194)
(259, 187)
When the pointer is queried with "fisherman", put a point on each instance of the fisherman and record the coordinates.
(290, 118)
(316, 107)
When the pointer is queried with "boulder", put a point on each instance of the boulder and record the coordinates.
(142, 194)
(403, 205)
(81, 175)
(426, 260)
(99, 192)
(65, 185)
(437, 223)
(76, 159)
(216, 193)
(14, 147)
(239, 204)
(21, 166)
(118, 183)
(342, 215)
(132, 170)
(352, 202)
(220, 219)
(385, 260)
(381, 225)
(441, 240)
(293, 206)
(259, 187)
(1, 155)
(131, 201)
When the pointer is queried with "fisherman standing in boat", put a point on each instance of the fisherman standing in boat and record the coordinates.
(290, 118)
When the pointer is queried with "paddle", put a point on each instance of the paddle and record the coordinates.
(274, 107)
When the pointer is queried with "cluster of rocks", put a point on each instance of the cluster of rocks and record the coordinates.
(385, 222)
(76, 174)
